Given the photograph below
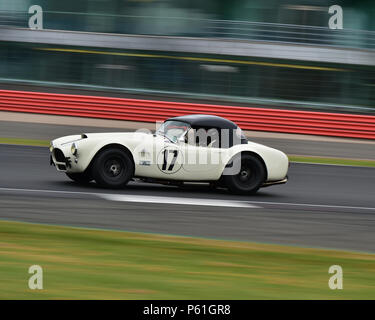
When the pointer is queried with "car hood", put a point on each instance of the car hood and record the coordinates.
(118, 136)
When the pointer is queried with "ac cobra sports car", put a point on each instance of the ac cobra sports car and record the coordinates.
(185, 149)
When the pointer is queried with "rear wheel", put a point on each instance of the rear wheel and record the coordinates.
(112, 168)
(250, 177)
(81, 177)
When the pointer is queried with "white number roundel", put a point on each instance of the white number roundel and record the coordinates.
(170, 160)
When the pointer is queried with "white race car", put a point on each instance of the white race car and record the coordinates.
(185, 149)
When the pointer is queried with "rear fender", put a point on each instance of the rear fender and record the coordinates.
(276, 162)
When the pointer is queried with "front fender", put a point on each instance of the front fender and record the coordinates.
(88, 149)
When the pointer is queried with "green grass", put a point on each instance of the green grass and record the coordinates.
(334, 161)
(292, 158)
(98, 264)
(25, 142)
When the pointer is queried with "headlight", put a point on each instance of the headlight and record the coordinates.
(50, 147)
(74, 149)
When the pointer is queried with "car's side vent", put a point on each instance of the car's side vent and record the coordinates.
(83, 136)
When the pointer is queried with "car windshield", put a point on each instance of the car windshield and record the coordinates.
(173, 130)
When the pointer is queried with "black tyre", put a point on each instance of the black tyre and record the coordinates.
(112, 168)
(250, 177)
(81, 178)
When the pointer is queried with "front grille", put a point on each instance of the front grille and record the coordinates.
(59, 156)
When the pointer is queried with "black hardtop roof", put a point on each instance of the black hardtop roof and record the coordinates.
(206, 121)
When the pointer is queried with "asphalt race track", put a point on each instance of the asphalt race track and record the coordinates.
(321, 206)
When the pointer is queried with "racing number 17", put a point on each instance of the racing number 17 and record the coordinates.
(175, 154)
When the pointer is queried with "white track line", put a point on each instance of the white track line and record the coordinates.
(312, 205)
(179, 200)
(182, 200)
(149, 199)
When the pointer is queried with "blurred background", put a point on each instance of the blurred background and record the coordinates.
(252, 53)
(267, 53)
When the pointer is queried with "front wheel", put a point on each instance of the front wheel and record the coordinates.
(112, 168)
(250, 177)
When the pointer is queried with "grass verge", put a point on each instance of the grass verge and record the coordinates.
(24, 142)
(333, 161)
(98, 264)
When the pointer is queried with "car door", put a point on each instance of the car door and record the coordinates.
(202, 154)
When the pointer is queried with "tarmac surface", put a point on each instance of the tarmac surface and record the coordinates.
(321, 205)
